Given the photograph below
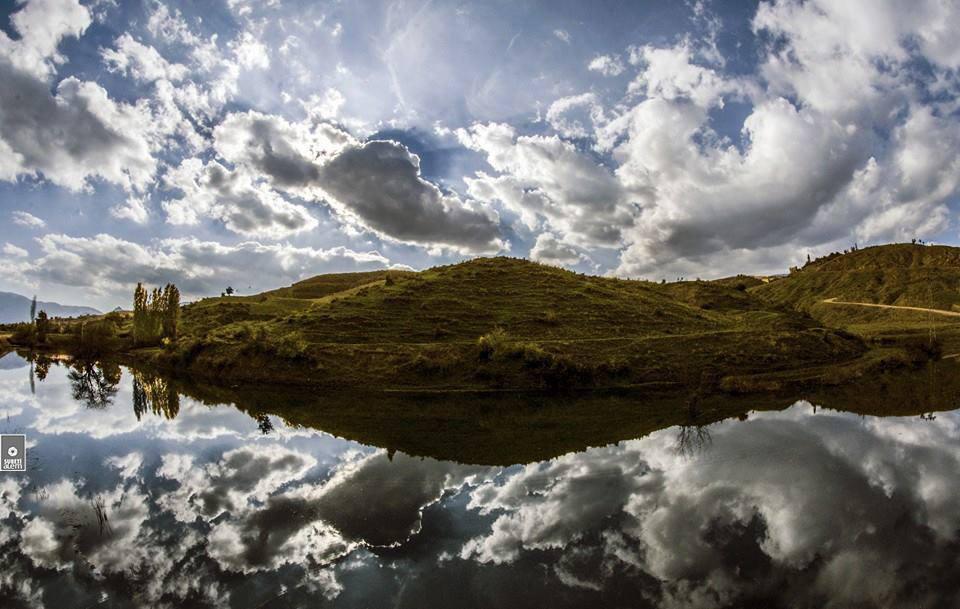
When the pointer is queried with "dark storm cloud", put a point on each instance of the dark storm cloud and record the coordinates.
(380, 182)
(274, 156)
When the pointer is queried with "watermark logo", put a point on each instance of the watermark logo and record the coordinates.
(13, 453)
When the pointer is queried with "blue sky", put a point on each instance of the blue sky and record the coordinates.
(256, 143)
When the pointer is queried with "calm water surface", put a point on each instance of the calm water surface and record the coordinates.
(137, 496)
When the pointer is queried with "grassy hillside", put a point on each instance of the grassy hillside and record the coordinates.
(834, 289)
(899, 274)
(498, 323)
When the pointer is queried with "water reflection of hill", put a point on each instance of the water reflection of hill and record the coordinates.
(511, 428)
(502, 430)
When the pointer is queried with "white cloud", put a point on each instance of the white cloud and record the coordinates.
(551, 250)
(106, 264)
(170, 26)
(562, 35)
(576, 116)
(23, 218)
(250, 52)
(324, 107)
(376, 185)
(140, 61)
(42, 24)
(74, 135)
(133, 209)
(213, 74)
(244, 206)
(286, 153)
(608, 65)
(13, 251)
(669, 73)
(546, 178)
(837, 146)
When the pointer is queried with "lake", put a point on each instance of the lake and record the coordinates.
(139, 492)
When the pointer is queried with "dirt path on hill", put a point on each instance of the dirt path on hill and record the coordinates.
(834, 301)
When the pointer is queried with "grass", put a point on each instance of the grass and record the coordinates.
(498, 324)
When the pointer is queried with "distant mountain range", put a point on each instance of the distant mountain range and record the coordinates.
(15, 308)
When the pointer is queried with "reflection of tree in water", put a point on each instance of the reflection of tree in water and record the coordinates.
(692, 440)
(94, 384)
(154, 394)
(39, 368)
(42, 367)
(264, 424)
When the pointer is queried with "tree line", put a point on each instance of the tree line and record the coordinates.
(156, 315)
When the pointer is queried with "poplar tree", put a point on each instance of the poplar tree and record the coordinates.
(171, 312)
(156, 314)
(140, 323)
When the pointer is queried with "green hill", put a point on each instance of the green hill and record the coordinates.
(899, 274)
(499, 323)
(887, 293)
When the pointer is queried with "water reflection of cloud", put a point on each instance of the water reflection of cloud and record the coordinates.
(65, 526)
(240, 479)
(829, 505)
(379, 500)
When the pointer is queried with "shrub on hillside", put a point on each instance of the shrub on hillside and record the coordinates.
(493, 342)
(436, 363)
(550, 318)
(115, 317)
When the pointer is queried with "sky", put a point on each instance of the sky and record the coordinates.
(253, 144)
